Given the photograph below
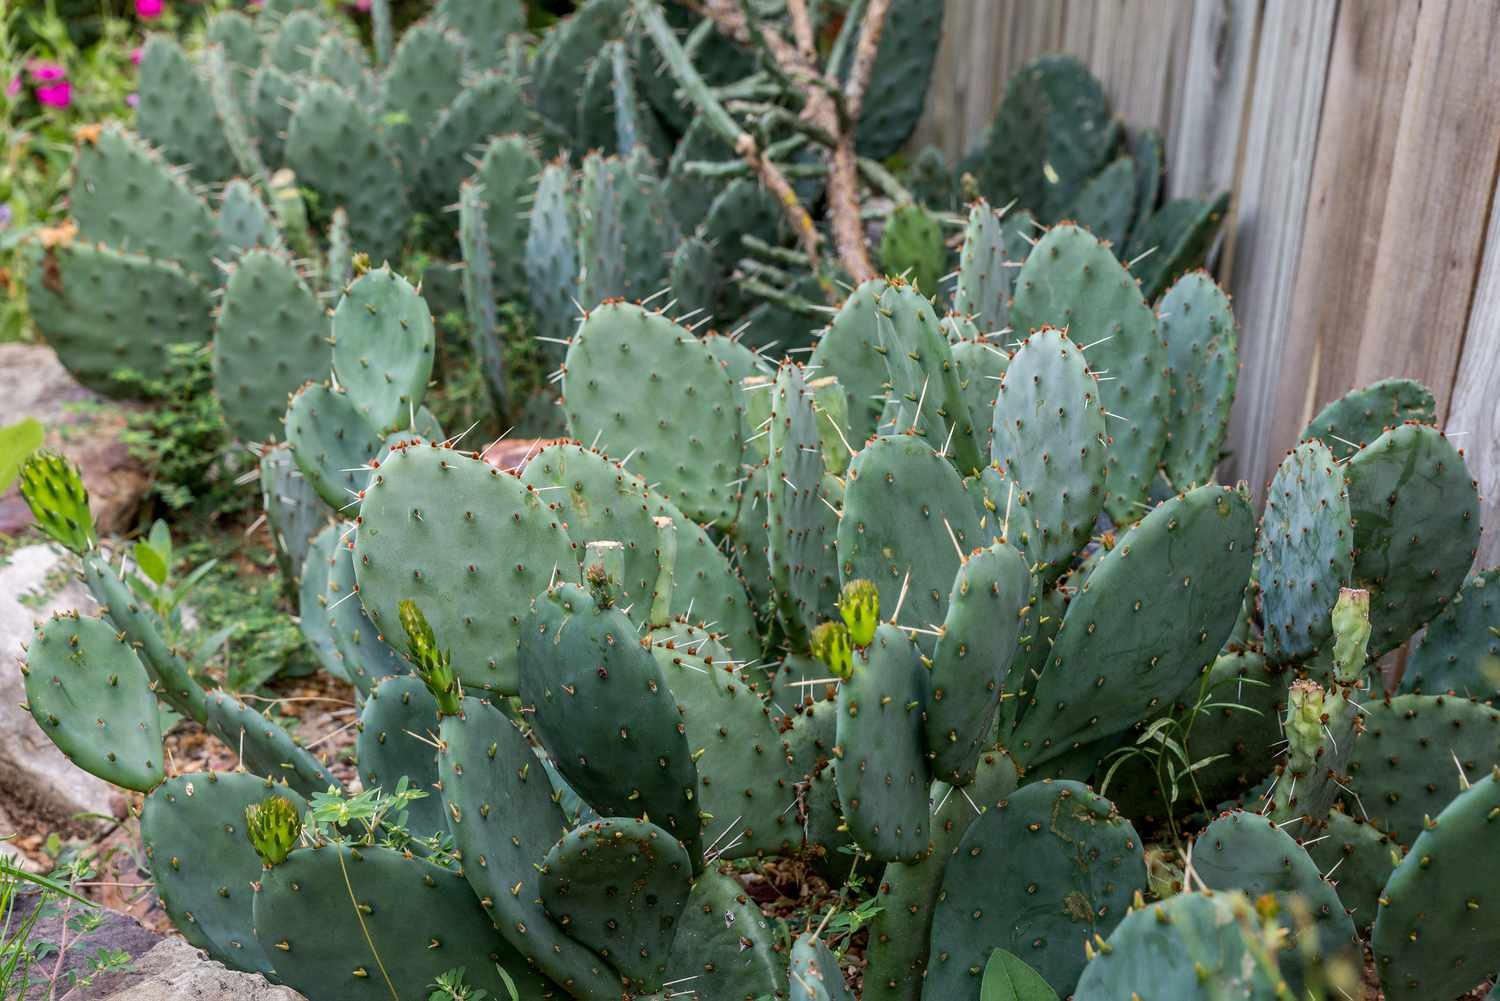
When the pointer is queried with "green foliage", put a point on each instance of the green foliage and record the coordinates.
(183, 440)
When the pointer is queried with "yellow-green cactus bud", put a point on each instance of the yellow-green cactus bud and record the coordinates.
(429, 663)
(1306, 714)
(55, 493)
(1351, 634)
(859, 605)
(831, 645)
(273, 827)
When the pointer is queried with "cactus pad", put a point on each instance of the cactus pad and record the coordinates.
(337, 151)
(204, 867)
(883, 775)
(1416, 528)
(1358, 417)
(125, 196)
(972, 658)
(1306, 552)
(1049, 436)
(1460, 651)
(619, 886)
(815, 973)
(88, 692)
(1152, 615)
(1202, 349)
(1083, 862)
(397, 727)
(581, 663)
(372, 923)
(104, 311)
(642, 387)
(801, 523)
(332, 443)
(1071, 280)
(906, 515)
(1413, 756)
(501, 809)
(1433, 935)
(1192, 947)
(460, 538)
(383, 345)
(1248, 852)
(271, 337)
(177, 113)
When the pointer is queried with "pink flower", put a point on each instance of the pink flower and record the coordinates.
(363, 5)
(43, 71)
(135, 55)
(14, 87)
(149, 9)
(133, 100)
(55, 95)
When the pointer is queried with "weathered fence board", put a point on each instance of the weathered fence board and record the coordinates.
(1264, 246)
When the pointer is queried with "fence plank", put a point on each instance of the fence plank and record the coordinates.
(1433, 232)
(1264, 246)
(1203, 128)
(1367, 78)
(1474, 415)
(1138, 48)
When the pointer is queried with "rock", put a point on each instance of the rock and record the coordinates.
(107, 932)
(39, 779)
(80, 424)
(175, 971)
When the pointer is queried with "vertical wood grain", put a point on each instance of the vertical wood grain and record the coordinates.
(1367, 75)
(1205, 123)
(1432, 234)
(1474, 415)
(1265, 240)
(1139, 49)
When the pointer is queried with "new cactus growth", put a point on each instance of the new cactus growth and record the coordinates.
(273, 827)
(428, 662)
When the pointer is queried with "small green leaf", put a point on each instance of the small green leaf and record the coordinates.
(161, 540)
(151, 563)
(1007, 978)
(17, 441)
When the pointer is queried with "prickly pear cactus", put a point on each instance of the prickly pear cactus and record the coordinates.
(1432, 935)
(193, 830)
(1070, 280)
(1083, 863)
(88, 692)
(618, 886)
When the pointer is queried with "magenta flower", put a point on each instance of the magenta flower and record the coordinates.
(55, 95)
(149, 9)
(14, 87)
(133, 100)
(135, 55)
(43, 71)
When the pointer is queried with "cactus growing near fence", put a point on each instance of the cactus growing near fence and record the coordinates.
(900, 601)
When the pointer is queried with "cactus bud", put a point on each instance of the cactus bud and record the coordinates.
(859, 605)
(1351, 634)
(273, 828)
(55, 493)
(429, 663)
(1307, 704)
(604, 569)
(830, 644)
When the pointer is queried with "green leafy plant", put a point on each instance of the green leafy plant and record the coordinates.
(182, 439)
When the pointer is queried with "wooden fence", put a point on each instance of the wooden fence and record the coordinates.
(1360, 139)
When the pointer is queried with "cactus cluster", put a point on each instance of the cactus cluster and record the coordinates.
(925, 597)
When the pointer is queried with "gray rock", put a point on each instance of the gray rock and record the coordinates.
(81, 425)
(40, 782)
(175, 971)
(92, 934)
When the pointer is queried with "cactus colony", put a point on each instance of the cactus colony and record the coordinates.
(904, 600)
